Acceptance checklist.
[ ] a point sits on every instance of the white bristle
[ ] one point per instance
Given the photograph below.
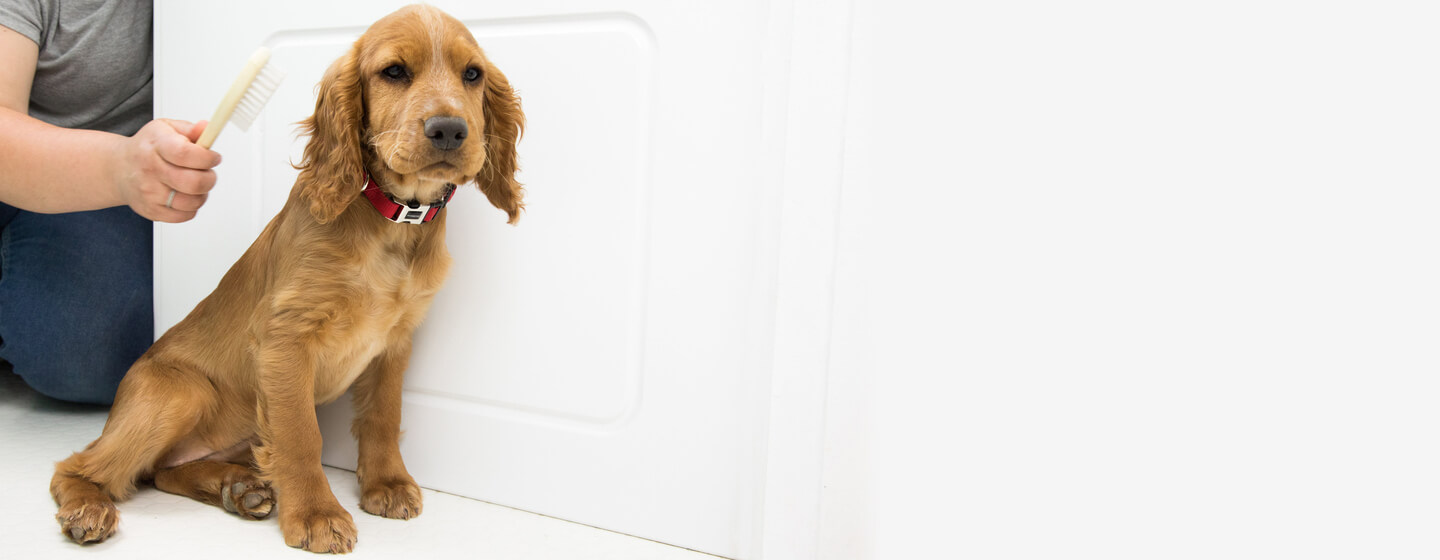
(259, 92)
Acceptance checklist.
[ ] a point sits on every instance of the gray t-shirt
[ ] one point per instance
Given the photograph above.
(94, 70)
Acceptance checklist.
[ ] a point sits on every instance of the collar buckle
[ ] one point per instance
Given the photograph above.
(416, 215)
(401, 213)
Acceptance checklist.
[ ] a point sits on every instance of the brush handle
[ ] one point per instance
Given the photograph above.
(232, 98)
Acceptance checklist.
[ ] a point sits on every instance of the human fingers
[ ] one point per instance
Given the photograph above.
(146, 179)
(170, 215)
(160, 204)
(188, 181)
(192, 131)
(179, 150)
(196, 130)
(185, 202)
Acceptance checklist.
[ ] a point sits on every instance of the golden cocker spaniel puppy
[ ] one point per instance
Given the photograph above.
(222, 407)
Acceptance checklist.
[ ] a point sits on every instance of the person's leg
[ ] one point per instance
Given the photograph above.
(75, 299)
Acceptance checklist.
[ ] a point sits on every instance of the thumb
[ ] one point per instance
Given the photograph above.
(190, 130)
(196, 130)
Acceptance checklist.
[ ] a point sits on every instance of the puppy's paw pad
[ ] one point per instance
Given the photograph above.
(251, 498)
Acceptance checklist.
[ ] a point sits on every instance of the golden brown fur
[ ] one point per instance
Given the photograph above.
(325, 299)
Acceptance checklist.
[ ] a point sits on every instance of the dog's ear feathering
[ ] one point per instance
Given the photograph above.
(504, 124)
(332, 169)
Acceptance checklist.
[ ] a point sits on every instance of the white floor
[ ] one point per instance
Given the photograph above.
(35, 432)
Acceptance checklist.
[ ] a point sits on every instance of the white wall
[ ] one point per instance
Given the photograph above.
(1102, 279)
(1145, 280)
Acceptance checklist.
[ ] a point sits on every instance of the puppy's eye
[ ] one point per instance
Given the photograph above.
(472, 74)
(395, 72)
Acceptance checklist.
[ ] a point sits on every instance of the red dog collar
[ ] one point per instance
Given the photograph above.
(400, 213)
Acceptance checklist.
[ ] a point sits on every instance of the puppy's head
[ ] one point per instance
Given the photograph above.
(417, 104)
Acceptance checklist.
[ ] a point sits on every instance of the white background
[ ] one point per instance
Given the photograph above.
(1147, 279)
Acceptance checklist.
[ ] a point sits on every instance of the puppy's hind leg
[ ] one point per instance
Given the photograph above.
(233, 487)
(154, 408)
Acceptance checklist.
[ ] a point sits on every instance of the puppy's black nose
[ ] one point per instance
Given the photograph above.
(446, 133)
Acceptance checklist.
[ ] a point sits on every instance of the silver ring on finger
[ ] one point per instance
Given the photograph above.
(170, 200)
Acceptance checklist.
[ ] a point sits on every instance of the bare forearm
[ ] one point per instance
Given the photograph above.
(158, 172)
(48, 169)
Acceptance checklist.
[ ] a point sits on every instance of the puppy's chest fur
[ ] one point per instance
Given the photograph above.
(389, 294)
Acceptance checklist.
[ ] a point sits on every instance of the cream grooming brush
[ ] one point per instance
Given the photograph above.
(247, 96)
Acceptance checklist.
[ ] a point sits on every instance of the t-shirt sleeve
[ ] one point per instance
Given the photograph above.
(26, 17)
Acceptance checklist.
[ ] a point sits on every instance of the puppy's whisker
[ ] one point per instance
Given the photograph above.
(394, 150)
(389, 153)
(376, 139)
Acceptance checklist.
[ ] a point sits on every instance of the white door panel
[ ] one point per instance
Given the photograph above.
(598, 362)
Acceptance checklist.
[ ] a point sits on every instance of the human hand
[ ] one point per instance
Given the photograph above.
(161, 159)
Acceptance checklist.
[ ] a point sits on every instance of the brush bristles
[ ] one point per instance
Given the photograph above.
(259, 92)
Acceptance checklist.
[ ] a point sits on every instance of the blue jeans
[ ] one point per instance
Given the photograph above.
(75, 299)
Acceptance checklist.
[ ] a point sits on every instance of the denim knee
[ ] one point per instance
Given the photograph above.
(90, 378)
(75, 300)
(82, 361)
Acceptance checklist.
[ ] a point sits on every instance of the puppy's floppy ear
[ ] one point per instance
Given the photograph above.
(332, 169)
(504, 123)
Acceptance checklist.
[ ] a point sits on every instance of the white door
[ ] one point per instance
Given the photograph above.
(607, 360)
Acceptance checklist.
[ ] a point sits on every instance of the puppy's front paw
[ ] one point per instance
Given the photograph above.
(88, 521)
(326, 529)
(396, 497)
